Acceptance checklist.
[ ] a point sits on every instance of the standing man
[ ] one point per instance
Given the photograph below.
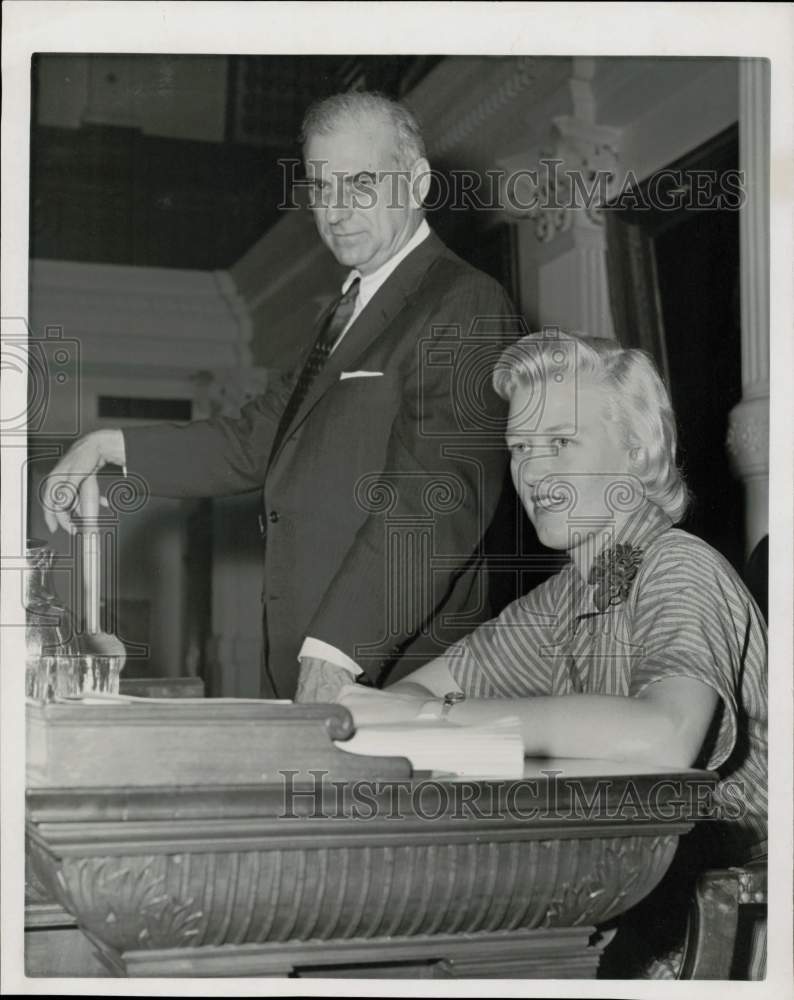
(379, 459)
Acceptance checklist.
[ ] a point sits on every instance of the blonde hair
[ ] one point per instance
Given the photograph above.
(635, 397)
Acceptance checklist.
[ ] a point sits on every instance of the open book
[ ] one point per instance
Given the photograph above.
(492, 751)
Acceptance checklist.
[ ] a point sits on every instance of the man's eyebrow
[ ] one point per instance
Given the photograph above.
(346, 178)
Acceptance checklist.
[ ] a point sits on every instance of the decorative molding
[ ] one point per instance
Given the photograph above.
(576, 172)
(518, 78)
(589, 151)
(377, 889)
(581, 900)
(130, 901)
(561, 189)
(241, 879)
(544, 954)
(36, 892)
(747, 440)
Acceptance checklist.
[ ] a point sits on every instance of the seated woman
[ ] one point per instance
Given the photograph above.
(646, 646)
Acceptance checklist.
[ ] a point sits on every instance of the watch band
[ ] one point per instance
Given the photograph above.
(451, 698)
(438, 708)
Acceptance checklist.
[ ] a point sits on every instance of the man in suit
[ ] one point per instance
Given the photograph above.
(380, 459)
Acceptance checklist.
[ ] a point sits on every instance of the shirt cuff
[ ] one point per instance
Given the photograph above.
(320, 650)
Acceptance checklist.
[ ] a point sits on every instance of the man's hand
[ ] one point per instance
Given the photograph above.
(321, 681)
(71, 487)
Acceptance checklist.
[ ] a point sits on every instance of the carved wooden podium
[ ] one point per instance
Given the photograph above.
(256, 848)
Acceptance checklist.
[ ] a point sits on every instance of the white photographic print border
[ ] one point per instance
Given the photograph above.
(651, 29)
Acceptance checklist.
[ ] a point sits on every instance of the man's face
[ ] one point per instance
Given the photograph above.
(362, 207)
(565, 464)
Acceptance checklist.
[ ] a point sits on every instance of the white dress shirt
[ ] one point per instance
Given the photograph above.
(370, 283)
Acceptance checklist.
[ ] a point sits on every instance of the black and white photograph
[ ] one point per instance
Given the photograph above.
(397, 499)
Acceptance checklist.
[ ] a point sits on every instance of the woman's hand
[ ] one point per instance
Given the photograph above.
(372, 707)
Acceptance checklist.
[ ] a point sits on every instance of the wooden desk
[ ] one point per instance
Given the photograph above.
(388, 875)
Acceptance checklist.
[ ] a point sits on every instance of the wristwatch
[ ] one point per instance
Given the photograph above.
(439, 709)
(451, 698)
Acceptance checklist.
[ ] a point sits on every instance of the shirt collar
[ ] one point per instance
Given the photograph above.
(370, 283)
(643, 527)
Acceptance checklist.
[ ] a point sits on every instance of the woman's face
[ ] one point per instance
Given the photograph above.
(568, 464)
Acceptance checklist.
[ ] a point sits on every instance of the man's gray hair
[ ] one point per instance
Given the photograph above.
(325, 115)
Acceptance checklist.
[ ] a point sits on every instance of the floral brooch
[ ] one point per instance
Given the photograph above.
(612, 573)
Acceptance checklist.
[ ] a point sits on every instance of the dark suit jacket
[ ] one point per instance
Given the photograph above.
(378, 494)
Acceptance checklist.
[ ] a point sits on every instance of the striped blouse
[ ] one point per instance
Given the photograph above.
(687, 614)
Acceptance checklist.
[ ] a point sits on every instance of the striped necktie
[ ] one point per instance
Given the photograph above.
(330, 332)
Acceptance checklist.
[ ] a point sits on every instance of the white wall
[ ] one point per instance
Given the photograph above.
(136, 332)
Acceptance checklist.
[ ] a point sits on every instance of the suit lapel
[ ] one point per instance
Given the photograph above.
(370, 324)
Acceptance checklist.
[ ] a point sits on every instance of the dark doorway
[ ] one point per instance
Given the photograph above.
(674, 284)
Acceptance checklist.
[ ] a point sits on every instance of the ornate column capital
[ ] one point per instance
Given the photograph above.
(567, 181)
(748, 437)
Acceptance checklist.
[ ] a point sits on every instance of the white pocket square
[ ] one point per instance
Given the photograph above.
(345, 375)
